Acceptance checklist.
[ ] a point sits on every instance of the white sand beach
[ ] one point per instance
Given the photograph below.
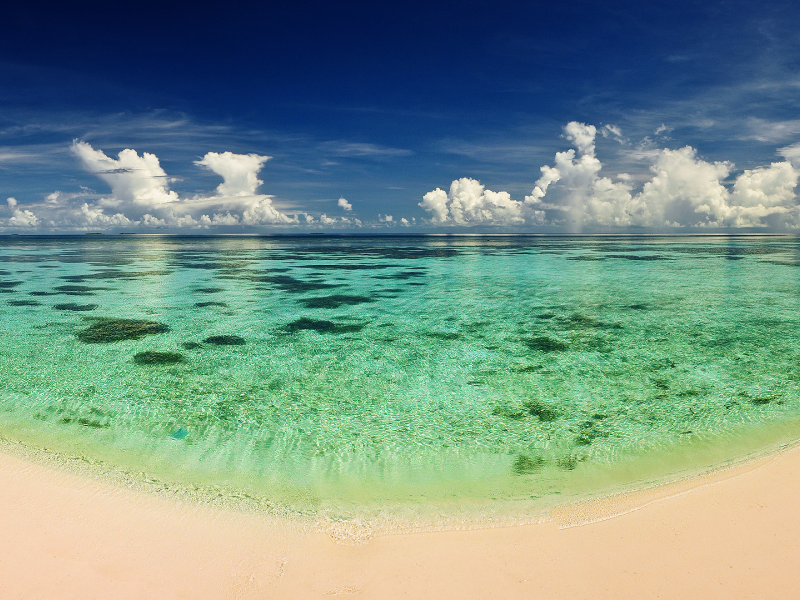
(731, 534)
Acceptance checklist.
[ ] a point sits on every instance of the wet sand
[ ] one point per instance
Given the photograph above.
(732, 534)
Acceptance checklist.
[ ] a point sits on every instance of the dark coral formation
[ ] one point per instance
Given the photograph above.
(321, 326)
(296, 286)
(638, 256)
(509, 412)
(152, 357)
(543, 410)
(578, 321)
(443, 335)
(113, 274)
(525, 465)
(75, 307)
(76, 290)
(568, 462)
(105, 330)
(402, 275)
(7, 287)
(225, 340)
(590, 430)
(545, 344)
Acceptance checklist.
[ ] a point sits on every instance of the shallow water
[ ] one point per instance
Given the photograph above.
(347, 376)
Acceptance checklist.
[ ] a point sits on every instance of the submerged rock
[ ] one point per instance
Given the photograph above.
(152, 357)
(543, 410)
(225, 340)
(321, 326)
(293, 285)
(23, 303)
(76, 290)
(545, 344)
(525, 465)
(509, 412)
(105, 330)
(75, 307)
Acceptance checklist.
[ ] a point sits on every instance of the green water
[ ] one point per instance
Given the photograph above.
(483, 374)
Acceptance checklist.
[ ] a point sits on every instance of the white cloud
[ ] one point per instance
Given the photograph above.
(361, 149)
(791, 153)
(684, 191)
(237, 170)
(572, 193)
(614, 132)
(11, 155)
(19, 217)
(141, 198)
(133, 179)
(468, 203)
(764, 196)
(772, 131)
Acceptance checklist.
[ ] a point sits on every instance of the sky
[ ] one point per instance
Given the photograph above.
(384, 117)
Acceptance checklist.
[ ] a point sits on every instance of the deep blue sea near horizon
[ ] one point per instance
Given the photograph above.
(353, 375)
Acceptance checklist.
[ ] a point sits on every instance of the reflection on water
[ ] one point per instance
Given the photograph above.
(343, 373)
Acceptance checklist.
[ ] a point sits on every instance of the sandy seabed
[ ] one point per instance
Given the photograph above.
(730, 534)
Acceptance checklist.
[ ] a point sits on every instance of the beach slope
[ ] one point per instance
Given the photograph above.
(733, 534)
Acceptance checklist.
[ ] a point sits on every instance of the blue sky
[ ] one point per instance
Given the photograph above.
(677, 115)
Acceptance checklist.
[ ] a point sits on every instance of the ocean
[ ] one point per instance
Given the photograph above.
(430, 379)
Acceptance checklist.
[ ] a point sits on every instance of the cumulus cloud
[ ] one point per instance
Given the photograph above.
(133, 179)
(19, 217)
(573, 193)
(468, 202)
(140, 196)
(238, 171)
(684, 191)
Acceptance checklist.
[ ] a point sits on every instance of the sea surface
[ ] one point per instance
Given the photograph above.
(436, 377)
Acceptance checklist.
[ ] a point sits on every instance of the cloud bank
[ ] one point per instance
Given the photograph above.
(572, 194)
(684, 191)
(141, 199)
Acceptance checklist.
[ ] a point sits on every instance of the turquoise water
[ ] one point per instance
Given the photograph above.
(346, 375)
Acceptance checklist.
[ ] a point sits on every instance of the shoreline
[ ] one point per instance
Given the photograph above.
(734, 532)
(353, 524)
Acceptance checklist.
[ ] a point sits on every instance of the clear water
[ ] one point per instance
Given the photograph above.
(477, 374)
